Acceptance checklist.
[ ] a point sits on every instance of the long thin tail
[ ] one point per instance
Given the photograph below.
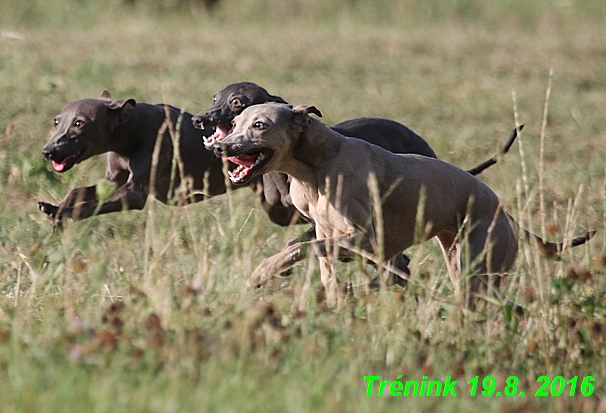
(486, 164)
(551, 248)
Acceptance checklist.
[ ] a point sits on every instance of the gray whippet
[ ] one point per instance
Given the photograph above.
(393, 136)
(330, 186)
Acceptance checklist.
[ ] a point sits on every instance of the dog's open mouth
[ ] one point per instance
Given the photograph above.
(248, 165)
(221, 131)
(66, 164)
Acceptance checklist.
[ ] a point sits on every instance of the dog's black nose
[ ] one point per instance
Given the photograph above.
(219, 149)
(47, 153)
(197, 122)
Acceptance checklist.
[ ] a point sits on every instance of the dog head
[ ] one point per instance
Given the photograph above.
(227, 104)
(84, 128)
(262, 137)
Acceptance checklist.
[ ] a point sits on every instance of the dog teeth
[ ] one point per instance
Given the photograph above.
(209, 141)
(243, 171)
(238, 174)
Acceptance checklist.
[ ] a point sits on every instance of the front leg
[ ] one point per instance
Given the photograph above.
(78, 195)
(329, 280)
(276, 264)
(289, 256)
(308, 235)
(82, 203)
(51, 213)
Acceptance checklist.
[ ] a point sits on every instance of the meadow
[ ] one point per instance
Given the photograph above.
(148, 311)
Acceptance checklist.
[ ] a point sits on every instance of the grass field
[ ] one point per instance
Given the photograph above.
(147, 311)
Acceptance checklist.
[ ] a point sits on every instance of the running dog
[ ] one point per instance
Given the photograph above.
(393, 136)
(332, 175)
(137, 138)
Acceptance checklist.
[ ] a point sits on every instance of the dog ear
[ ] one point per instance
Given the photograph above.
(305, 109)
(120, 109)
(300, 116)
(262, 95)
(106, 96)
(276, 99)
(120, 104)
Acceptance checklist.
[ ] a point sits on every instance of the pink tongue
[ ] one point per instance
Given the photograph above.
(58, 166)
(243, 159)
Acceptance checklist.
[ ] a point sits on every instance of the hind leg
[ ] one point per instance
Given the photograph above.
(466, 256)
(399, 262)
(451, 250)
(329, 280)
(492, 251)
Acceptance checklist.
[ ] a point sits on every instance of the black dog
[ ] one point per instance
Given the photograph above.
(128, 132)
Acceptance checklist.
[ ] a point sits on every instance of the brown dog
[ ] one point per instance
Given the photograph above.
(331, 186)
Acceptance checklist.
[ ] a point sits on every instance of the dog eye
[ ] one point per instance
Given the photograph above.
(55, 122)
(236, 102)
(259, 125)
(78, 124)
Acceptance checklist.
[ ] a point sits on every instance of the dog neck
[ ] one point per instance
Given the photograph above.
(314, 149)
(126, 136)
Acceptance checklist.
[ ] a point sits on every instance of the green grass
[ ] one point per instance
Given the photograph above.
(189, 336)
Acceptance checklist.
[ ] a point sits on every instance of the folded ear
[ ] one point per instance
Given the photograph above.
(120, 104)
(307, 110)
(106, 96)
(300, 116)
(276, 99)
(120, 109)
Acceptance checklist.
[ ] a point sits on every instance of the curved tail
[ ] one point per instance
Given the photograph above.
(552, 248)
(486, 164)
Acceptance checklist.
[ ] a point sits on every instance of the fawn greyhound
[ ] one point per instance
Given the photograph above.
(130, 133)
(330, 186)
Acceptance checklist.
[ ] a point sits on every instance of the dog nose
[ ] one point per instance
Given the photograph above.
(219, 149)
(197, 121)
(47, 153)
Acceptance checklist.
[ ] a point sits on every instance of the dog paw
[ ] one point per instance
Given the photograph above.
(281, 263)
(258, 278)
(264, 272)
(51, 212)
(49, 209)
